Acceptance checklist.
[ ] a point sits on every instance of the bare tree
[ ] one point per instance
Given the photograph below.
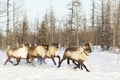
(117, 29)
(25, 30)
(102, 27)
(2, 16)
(52, 25)
(93, 22)
(2, 10)
(85, 31)
(74, 24)
(17, 15)
(108, 30)
(42, 33)
(8, 23)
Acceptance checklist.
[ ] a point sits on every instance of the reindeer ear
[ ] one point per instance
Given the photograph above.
(35, 45)
(22, 45)
(59, 45)
(8, 47)
(86, 44)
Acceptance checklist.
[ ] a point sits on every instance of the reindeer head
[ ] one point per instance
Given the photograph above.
(87, 48)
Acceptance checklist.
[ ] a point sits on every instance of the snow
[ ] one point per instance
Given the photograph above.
(104, 65)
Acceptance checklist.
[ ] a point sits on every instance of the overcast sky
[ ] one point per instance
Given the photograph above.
(37, 8)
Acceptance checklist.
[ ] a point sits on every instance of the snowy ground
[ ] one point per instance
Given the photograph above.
(102, 64)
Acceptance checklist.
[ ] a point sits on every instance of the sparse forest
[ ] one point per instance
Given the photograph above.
(102, 27)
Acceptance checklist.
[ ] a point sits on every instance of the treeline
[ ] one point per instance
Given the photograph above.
(100, 28)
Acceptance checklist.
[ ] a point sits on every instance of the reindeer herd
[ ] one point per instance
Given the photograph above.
(28, 52)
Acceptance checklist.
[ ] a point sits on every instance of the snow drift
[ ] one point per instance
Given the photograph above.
(104, 65)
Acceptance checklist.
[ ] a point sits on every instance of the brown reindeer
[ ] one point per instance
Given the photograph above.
(52, 52)
(35, 52)
(77, 55)
(46, 46)
(18, 54)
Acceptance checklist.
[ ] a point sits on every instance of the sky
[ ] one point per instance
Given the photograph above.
(38, 8)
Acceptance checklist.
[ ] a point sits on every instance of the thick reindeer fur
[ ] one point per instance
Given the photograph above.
(52, 53)
(18, 53)
(36, 52)
(77, 55)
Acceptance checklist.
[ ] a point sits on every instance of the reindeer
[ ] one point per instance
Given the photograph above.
(52, 52)
(36, 52)
(77, 54)
(18, 54)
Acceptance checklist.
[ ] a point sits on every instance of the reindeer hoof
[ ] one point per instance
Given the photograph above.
(88, 70)
(76, 67)
(15, 64)
(58, 67)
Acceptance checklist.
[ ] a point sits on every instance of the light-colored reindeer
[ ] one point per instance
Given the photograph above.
(18, 54)
(36, 52)
(52, 52)
(77, 54)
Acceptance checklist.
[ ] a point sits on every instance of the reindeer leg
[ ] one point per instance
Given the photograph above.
(38, 59)
(81, 66)
(68, 61)
(11, 61)
(77, 65)
(18, 60)
(53, 60)
(42, 60)
(61, 62)
(58, 58)
(85, 67)
(27, 59)
(7, 61)
(32, 61)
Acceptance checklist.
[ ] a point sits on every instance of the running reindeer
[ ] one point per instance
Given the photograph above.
(18, 54)
(77, 54)
(52, 52)
(35, 52)
(43, 52)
